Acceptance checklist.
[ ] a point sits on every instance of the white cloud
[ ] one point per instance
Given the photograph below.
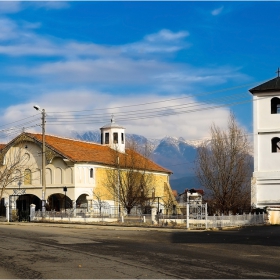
(83, 66)
(51, 5)
(191, 126)
(165, 41)
(8, 29)
(166, 35)
(217, 11)
(9, 7)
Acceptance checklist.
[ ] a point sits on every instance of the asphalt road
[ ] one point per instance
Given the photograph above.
(91, 252)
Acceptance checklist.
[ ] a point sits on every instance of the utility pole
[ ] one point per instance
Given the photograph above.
(119, 210)
(43, 112)
(43, 161)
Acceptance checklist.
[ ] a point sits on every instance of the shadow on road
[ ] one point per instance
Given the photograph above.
(257, 235)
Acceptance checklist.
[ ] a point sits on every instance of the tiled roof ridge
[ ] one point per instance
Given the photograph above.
(76, 156)
(67, 138)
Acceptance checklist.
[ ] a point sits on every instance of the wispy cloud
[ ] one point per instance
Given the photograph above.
(165, 41)
(194, 126)
(166, 35)
(51, 5)
(10, 7)
(217, 11)
(87, 68)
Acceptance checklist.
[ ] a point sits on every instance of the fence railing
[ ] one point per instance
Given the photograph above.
(191, 222)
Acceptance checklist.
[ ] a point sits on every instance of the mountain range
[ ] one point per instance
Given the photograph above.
(175, 154)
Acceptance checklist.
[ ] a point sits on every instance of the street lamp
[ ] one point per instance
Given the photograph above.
(65, 190)
(36, 107)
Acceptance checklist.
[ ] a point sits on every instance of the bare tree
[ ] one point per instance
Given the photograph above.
(169, 201)
(15, 166)
(129, 180)
(99, 202)
(223, 167)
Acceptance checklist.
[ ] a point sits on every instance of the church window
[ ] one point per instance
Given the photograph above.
(101, 138)
(122, 138)
(275, 105)
(91, 173)
(115, 137)
(27, 177)
(48, 176)
(58, 176)
(275, 145)
(107, 138)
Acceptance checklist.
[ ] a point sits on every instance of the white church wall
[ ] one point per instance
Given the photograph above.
(83, 175)
(268, 193)
(266, 120)
(267, 161)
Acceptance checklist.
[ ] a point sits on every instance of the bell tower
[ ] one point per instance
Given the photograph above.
(113, 135)
(265, 186)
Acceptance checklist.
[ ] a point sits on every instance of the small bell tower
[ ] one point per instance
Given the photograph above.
(113, 135)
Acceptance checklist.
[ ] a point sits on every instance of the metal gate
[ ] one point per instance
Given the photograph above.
(19, 206)
(196, 215)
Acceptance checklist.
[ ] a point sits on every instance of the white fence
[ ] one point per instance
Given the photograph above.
(196, 217)
(228, 221)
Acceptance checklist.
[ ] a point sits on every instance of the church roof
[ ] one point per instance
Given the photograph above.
(269, 86)
(81, 151)
(2, 146)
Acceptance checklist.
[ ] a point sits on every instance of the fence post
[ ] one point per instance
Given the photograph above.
(32, 212)
(7, 210)
(144, 219)
(74, 207)
(187, 215)
(206, 215)
(154, 211)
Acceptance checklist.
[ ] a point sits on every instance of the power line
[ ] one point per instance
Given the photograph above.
(89, 121)
(161, 101)
(18, 120)
(144, 111)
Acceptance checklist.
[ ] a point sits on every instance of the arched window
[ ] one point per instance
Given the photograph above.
(58, 175)
(275, 145)
(275, 105)
(115, 136)
(69, 175)
(27, 177)
(48, 176)
(36, 177)
(91, 173)
(107, 138)
(16, 177)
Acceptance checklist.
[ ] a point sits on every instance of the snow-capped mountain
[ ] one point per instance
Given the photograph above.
(175, 154)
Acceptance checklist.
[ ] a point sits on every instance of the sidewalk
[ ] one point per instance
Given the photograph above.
(96, 226)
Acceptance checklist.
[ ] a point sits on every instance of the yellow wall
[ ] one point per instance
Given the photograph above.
(160, 183)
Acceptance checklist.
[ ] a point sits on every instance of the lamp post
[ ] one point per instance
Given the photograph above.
(36, 107)
(65, 190)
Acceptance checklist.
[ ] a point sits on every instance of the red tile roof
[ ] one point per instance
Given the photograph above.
(2, 146)
(80, 151)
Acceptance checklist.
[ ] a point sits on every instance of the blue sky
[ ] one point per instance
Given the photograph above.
(162, 68)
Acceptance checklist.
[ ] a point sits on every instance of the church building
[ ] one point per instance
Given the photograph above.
(75, 171)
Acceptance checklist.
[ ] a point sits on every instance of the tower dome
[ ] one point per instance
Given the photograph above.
(113, 135)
